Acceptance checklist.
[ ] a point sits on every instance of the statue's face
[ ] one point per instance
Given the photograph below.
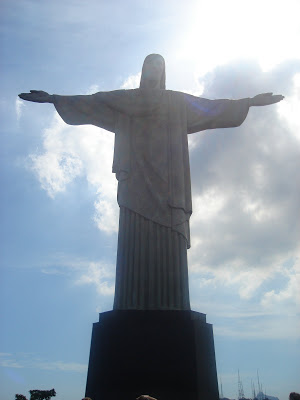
(154, 67)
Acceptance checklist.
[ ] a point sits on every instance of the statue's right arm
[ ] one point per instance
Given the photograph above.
(79, 109)
(37, 96)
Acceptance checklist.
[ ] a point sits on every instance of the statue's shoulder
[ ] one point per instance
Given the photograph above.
(125, 92)
(115, 96)
(179, 95)
(116, 92)
(174, 92)
(176, 97)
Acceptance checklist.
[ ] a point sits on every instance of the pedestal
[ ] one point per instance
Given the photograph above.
(166, 354)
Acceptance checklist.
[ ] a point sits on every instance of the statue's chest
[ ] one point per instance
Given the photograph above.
(150, 139)
(151, 130)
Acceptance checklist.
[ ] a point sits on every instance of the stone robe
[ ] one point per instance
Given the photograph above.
(151, 162)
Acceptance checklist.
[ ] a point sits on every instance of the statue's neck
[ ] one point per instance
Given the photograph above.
(152, 84)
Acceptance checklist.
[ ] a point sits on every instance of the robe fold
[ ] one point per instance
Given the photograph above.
(151, 163)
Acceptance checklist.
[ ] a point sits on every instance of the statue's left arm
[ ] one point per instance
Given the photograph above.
(205, 114)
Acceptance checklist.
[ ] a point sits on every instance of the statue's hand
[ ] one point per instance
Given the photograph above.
(38, 96)
(264, 99)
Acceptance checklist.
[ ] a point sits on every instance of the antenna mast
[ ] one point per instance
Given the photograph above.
(241, 394)
(260, 390)
(221, 391)
(253, 390)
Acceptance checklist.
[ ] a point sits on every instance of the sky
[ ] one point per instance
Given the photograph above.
(59, 214)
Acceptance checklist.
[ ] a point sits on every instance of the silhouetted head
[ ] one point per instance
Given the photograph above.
(153, 72)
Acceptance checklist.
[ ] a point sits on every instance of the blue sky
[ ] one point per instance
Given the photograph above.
(58, 200)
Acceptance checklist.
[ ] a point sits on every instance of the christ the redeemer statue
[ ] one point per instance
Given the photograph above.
(151, 163)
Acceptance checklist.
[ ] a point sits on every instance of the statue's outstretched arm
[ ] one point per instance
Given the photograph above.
(37, 96)
(265, 99)
(77, 110)
(205, 114)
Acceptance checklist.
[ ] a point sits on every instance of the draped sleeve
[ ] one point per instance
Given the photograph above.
(89, 109)
(211, 114)
(107, 110)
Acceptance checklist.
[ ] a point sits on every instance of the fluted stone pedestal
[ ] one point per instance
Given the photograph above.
(166, 354)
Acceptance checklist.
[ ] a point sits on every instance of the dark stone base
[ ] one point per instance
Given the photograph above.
(166, 354)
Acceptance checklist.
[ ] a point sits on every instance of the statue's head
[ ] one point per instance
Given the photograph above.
(153, 72)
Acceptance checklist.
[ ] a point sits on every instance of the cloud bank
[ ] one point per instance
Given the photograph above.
(245, 226)
(69, 152)
(22, 360)
(245, 186)
(99, 274)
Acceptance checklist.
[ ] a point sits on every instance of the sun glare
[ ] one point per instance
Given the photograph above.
(265, 30)
(289, 110)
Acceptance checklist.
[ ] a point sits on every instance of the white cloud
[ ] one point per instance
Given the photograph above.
(93, 89)
(285, 299)
(244, 180)
(85, 151)
(251, 283)
(58, 164)
(83, 272)
(60, 366)
(132, 82)
(241, 281)
(289, 109)
(30, 361)
(208, 205)
(98, 274)
(254, 303)
(259, 328)
(106, 214)
(7, 361)
(19, 105)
